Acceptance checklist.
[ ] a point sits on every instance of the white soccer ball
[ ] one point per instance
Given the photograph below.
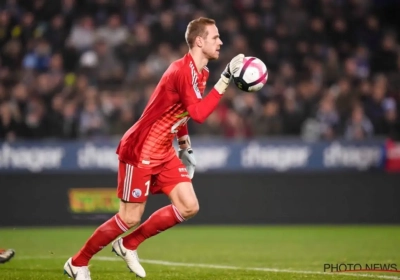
(252, 76)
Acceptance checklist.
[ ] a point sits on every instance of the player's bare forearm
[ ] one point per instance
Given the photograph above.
(184, 142)
(183, 137)
(200, 111)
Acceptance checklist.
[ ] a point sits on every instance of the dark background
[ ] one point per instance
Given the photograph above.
(318, 198)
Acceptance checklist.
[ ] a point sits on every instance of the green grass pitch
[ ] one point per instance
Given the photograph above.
(211, 252)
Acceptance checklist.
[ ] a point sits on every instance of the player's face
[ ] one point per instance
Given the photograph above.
(212, 43)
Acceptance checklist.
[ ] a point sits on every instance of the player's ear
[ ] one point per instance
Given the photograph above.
(199, 41)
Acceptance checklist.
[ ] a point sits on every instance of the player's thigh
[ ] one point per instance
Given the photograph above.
(133, 183)
(133, 189)
(184, 198)
(172, 173)
(174, 181)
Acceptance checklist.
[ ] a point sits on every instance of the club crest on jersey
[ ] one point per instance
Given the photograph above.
(136, 193)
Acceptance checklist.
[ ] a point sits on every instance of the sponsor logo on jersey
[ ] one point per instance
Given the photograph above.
(182, 169)
(184, 114)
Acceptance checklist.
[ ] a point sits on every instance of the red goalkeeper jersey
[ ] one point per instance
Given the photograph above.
(177, 97)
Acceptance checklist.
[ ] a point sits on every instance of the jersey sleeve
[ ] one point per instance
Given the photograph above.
(188, 90)
(198, 108)
(183, 131)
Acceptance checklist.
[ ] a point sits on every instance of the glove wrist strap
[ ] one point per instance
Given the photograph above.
(184, 143)
(222, 85)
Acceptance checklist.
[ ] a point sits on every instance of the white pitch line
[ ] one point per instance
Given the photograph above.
(216, 266)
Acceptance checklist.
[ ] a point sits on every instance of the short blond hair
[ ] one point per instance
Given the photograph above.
(196, 28)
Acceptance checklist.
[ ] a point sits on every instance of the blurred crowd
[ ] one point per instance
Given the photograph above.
(85, 69)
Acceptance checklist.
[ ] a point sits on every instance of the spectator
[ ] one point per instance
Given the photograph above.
(270, 122)
(385, 58)
(328, 119)
(56, 33)
(39, 58)
(91, 120)
(358, 127)
(82, 34)
(113, 33)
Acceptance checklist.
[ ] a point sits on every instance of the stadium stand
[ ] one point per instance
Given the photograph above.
(85, 69)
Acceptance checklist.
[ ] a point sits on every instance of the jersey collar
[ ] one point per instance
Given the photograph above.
(189, 56)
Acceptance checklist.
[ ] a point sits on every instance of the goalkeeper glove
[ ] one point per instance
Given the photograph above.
(232, 68)
(187, 158)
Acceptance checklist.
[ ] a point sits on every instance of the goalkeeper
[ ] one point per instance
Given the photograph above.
(147, 159)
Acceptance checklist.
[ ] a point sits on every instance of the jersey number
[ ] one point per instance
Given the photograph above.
(178, 124)
(147, 188)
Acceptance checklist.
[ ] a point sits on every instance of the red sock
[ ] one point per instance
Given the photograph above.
(159, 221)
(103, 236)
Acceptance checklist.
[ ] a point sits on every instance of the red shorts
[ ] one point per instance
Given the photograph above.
(135, 183)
